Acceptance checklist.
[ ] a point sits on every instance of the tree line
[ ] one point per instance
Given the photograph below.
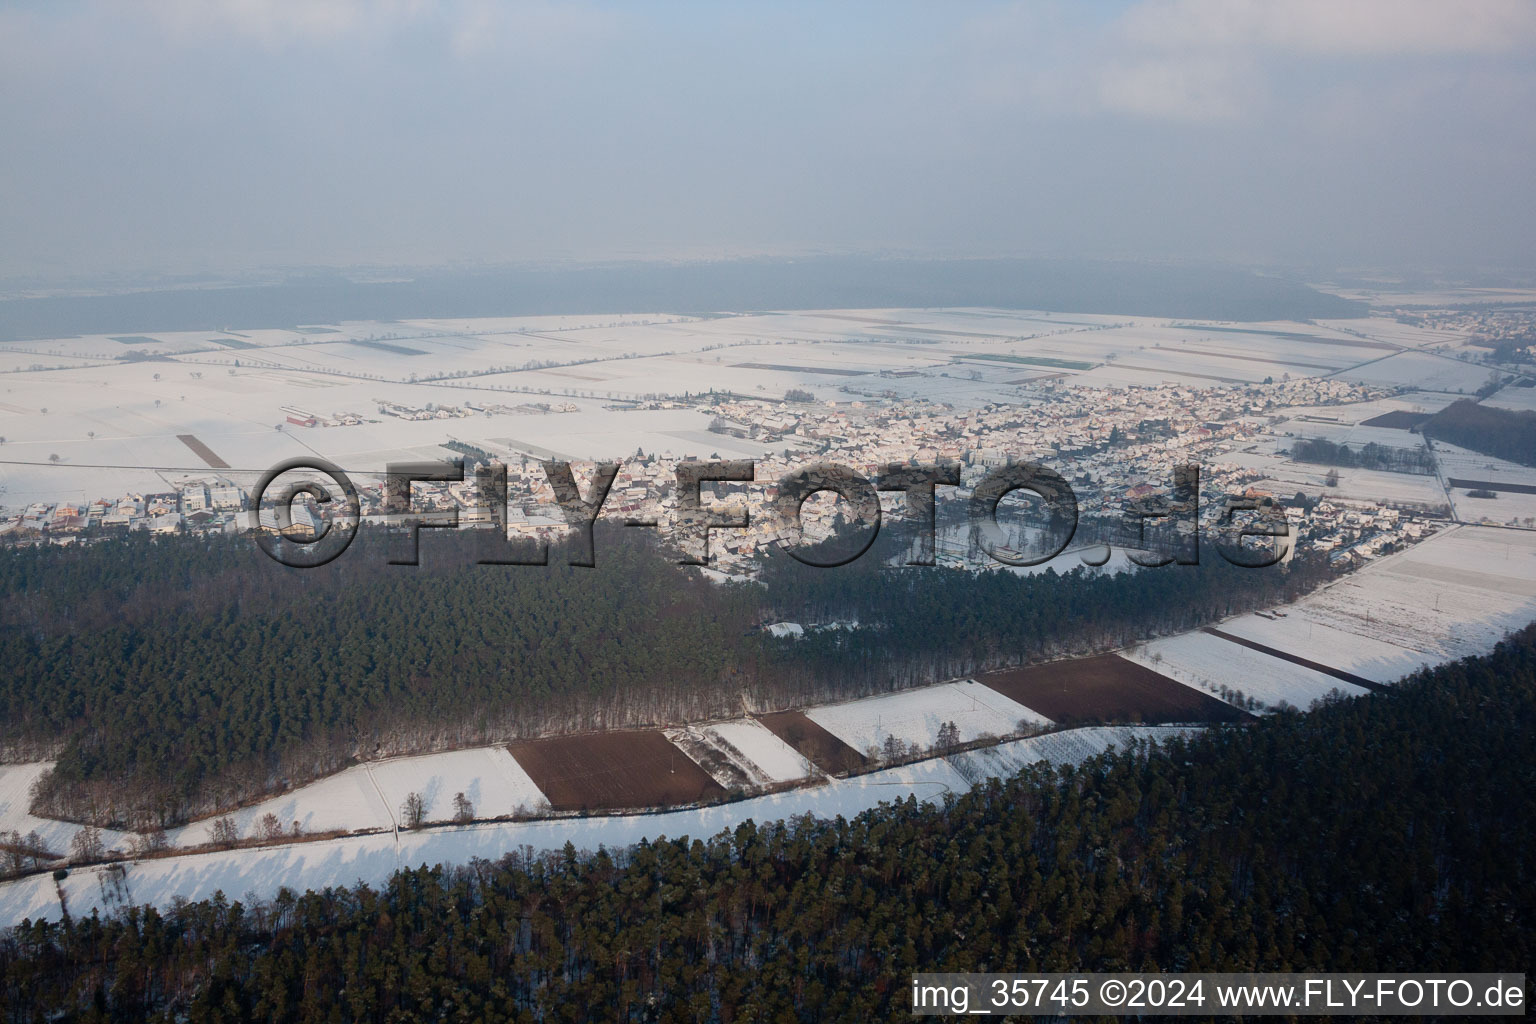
(176, 677)
(1369, 456)
(1502, 433)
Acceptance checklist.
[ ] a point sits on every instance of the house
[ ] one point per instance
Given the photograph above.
(226, 497)
(167, 522)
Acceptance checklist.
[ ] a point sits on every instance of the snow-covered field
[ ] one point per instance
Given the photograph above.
(1454, 595)
(1356, 435)
(1116, 375)
(1070, 746)
(1505, 508)
(1469, 465)
(1518, 399)
(1198, 363)
(34, 897)
(1423, 370)
(114, 423)
(1369, 486)
(750, 750)
(370, 795)
(1422, 402)
(914, 716)
(1209, 662)
(1307, 637)
(348, 860)
(1285, 477)
(488, 776)
(16, 795)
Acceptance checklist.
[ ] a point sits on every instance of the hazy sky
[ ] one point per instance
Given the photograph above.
(177, 135)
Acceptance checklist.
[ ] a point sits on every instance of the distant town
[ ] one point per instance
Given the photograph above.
(1320, 420)
(1116, 445)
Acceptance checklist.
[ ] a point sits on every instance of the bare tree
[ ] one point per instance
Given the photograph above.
(271, 827)
(413, 812)
(86, 846)
(37, 852)
(225, 832)
(463, 810)
(151, 843)
(14, 853)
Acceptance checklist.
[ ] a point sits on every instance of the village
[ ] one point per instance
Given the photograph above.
(1116, 446)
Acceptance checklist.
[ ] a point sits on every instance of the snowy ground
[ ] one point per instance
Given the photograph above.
(1423, 370)
(347, 860)
(914, 716)
(35, 897)
(1070, 746)
(370, 795)
(1518, 399)
(747, 751)
(15, 797)
(346, 800)
(1209, 662)
(488, 776)
(1304, 635)
(1454, 595)
(1284, 477)
(373, 858)
(114, 423)
(1506, 508)
(1467, 464)
(1422, 402)
(1356, 435)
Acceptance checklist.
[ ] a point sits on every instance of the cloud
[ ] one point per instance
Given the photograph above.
(168, 133)
(1334, 27)
(467, 27)
(1202, 89)
(479, 27)
(1215, 60)
(274, 22)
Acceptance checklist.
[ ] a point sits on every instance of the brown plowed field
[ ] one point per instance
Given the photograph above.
(613, 770)
(815, 744)
(1107, 688)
